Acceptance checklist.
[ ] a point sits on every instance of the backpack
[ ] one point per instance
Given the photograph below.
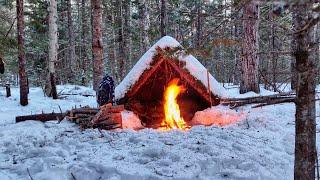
(105, 92)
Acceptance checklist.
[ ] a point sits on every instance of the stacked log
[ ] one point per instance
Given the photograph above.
(106, 117)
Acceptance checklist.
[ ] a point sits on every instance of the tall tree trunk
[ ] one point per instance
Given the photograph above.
(120, 40)
(249, 57)
(51, 89)
(303, 49)
(144, 22)
(236, 49)
(71, 48)
(198, 25)
(84, 52)
(163, 18)
(274, 46)
(127, 32)
(294, 76)
(21, 55)
(112, 46)
(97, 48)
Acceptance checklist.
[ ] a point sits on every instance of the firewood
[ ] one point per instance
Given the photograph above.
(41, 117)
(112, 109)
(83, 115)
(106, 117)
(84, 111)
(112, 126)
(108, 111)
(115, 117)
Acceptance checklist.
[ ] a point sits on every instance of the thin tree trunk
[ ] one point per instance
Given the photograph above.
(127, 32)
(120, 40)
(97, 48)
(53, 49)
(84, 52)
(163, 18)
(21, 54)
(112, 46)
(274, 58)
(71, 49)
(303, 48)
(249, 57)
(294, 76)
(144, 22)
(199, 25)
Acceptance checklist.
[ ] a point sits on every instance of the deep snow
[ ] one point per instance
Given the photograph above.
(261, 146)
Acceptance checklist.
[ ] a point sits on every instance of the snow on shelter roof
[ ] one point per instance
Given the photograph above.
(193, 66)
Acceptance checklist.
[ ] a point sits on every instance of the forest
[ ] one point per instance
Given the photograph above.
(157, 88)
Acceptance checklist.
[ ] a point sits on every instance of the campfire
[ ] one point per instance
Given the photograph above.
(173, 119)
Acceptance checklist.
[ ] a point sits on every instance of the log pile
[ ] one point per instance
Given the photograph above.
(106, 117)
(109, 117)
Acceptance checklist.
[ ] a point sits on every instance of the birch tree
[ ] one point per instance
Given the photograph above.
(305, 67)
(51, 89)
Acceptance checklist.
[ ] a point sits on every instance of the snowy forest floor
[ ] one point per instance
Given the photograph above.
(259, 147)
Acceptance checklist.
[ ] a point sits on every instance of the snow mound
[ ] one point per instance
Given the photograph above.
(194, 67)
(217, 115)
(130, 120)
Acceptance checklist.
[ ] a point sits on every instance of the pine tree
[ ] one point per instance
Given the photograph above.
(249, 52)
(22, 57)
(97, 48)
(163, 18)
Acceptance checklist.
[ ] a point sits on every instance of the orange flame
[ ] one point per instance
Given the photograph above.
(173, 119)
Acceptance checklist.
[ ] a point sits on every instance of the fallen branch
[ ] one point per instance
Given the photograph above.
(29, 174)
(276, 101)
(74, 94)
(41, 117)
(266, 100)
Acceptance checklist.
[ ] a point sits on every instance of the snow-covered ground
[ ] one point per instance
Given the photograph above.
(260, 146)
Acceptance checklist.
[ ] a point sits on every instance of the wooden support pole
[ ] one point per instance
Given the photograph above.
(209, 89)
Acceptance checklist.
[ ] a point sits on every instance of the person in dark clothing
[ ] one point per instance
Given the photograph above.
(105, 92)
